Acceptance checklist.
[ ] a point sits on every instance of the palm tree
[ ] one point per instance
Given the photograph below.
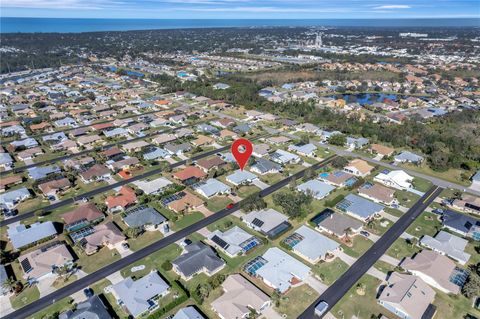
(9, 284)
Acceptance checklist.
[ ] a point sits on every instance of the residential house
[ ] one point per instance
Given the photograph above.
(140, 296)
(177, 149)
(22, 236)
(211, 187)
(147, 218)
(336, 224)
(468, 203)
(11, 199)
(82, 216)
(156, 153)
(189, 312)
(135, 146)
(197, 258)
(377, 193)
(278, 269)
(381, 150)
(234, 242)
(53, 187)
(283, 157)
(97, 172)
(163, 138)
(359, 207)
(358, 167)
(406, 296)
(29, 153)
(356, 143)
(304, 149)
(316, 188)
(9, 181)
(189, 175)
(269, 222)
(260, 150)
(240, 177)
(396, 179)
(125, 198)
(436, 270)
(408, 157)
(278, 140)
(183, 201)
(448, 245)
(239, 297)
(338, 178)
(207, 164)
(106, 234)
(43, 262)
(6, 161)
(311, 245)
(24, 144)
(461, 224)
(92, 308)
(40, 172)
(202, 140)
(152, 187)
(263, 166)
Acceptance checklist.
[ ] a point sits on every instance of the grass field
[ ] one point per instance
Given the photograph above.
(330, 271)
(296, 300)
(401, 249)
(102, 258)
(426, 224)
(28, 295)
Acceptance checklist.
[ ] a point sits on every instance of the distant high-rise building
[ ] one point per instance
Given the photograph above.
(318, 40)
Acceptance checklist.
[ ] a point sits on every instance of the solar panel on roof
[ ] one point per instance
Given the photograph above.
(220, 242)
(257, 222)
(26, 265)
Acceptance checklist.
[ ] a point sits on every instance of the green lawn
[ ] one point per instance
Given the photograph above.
(296, 300)
(245, 191)
(362, 306)
(188, 220)
(384, 267)
(407, 199)
(425, 224)
(360, 246)
(451, 175)
(421, 184)
(102, 258)
(217, 203)
(453, 306)
(377, 226)
(271, 179)
(401, 249)
(394, 212)
(330, 271)
(28, 295)
(57, 308)
(62, 282)
(144, 240)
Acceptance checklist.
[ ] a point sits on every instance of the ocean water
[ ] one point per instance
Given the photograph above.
(27, 25)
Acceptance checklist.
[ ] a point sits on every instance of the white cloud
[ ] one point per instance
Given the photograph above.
(392, 7)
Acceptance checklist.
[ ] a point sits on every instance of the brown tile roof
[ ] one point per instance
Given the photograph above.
(95, 171)
(187, 201)
(56, 184)
(208, 163)
(125, 197)
(88, 211)
(381, 149)
(5, 181)
(189, 172)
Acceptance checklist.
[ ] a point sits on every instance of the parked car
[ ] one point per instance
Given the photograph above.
(364, 233)
(230, 206)
(88, 292)
(321, 308)
(125, 246)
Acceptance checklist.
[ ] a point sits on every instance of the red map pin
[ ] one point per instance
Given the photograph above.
(241, 150)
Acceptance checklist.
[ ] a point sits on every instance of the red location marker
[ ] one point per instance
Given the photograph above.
(241, 150)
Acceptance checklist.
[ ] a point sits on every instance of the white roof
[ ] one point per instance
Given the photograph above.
(211, 187)
(233, 237)
(152, 186)
(449, 244)
(281, 268)
(319, 189)
(314, 245)
(270, 218)
(135, 294)
(239, 177)
(21, 236)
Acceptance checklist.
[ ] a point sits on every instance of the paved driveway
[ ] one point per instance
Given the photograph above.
(389, 216)
(6, 306)
(271, 313)
(122, 250)
(260, 184)
(45, 285)
(316, 284)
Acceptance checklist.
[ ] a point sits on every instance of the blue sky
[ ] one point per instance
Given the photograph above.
(241, 9)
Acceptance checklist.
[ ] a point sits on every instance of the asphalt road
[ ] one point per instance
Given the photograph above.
(340, 287)
(90, 279)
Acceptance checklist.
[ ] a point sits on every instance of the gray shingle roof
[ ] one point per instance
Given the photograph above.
(143, 215)
(197, 257)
